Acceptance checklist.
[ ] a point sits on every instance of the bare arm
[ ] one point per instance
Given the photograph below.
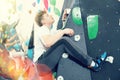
(49, 40)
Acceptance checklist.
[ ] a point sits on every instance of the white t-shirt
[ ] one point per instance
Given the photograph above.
(39, 48)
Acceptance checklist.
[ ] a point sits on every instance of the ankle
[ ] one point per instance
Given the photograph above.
(95, 68)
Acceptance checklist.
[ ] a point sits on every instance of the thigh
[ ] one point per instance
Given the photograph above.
(52, 56)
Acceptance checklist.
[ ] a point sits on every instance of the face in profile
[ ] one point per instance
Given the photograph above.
(48, 19)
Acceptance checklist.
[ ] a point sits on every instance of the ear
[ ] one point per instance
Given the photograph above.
(43, 21)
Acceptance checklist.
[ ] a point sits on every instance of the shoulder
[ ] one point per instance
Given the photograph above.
(41, 30)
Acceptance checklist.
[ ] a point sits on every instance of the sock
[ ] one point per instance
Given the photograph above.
(94, 64)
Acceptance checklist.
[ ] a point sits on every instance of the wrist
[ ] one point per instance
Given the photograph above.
(63, 31)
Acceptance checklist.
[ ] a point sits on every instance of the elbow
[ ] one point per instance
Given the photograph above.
(48, 45)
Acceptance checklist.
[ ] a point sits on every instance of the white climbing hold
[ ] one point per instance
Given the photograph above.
(68, 10)
(65, 55)
(77, 37)
(60, 78)
(110, 59)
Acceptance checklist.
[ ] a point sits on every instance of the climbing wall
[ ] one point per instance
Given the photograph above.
(68, 67)
(105, 34)
(101, 23)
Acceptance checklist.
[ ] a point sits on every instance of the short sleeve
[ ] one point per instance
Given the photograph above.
(41, 31)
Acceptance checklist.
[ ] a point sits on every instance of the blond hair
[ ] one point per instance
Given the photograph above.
(39, 17)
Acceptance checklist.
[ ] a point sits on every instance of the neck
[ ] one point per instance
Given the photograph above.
(48, 25)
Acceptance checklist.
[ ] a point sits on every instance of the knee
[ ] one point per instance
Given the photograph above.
(66, 38)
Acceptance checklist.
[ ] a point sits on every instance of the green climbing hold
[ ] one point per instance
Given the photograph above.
(92, 25)
(53, 2)
(56, 10)
(76, 16)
